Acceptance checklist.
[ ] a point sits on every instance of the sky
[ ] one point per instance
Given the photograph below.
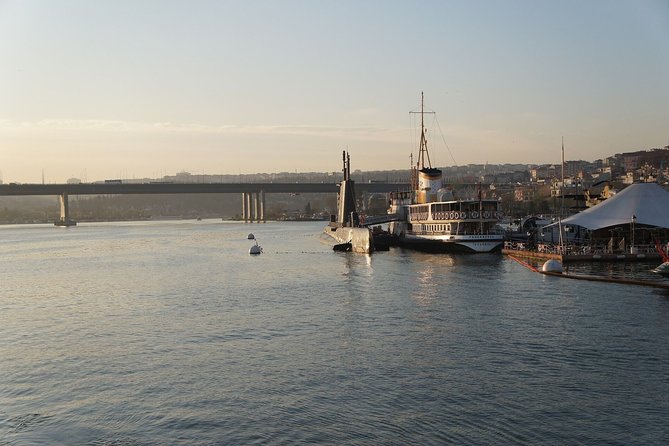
(134, 89)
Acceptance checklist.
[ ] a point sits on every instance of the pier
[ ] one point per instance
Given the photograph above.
(638, 253)
(590, 278)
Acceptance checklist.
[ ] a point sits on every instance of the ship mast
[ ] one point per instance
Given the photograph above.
(423, 153)
(561, 239)
(414, 173)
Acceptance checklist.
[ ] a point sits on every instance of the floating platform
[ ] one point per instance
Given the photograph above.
(587, 257)
(564, 275)
(65, 223)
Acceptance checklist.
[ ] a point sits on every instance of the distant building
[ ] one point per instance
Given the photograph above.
(657, 158)
(542, 173)
(524, 194)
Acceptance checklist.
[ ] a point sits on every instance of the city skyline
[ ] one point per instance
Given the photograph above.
(122, 89)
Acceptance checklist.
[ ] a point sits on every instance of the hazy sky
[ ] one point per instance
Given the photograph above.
(130, 89)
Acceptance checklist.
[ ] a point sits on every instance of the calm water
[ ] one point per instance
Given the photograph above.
(170, 333)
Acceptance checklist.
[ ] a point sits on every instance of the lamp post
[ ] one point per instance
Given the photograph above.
(632, 248)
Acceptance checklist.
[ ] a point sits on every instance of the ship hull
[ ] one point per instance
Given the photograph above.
(454, 244)
(359, 239)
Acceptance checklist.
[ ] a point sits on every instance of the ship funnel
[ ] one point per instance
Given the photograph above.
(429, 184)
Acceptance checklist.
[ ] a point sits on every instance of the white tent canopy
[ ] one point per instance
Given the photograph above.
(648, 202)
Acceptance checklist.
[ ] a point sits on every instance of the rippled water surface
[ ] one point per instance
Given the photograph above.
(171, 333)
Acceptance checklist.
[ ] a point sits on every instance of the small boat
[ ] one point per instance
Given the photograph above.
(343, 247)
(662, 269)
(519, 229)
(430, 218)
(255, 249)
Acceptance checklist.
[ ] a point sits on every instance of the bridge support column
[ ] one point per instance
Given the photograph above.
(256, 207)
(244, 215)
(262, 206)
(64, 212)
(249, 211)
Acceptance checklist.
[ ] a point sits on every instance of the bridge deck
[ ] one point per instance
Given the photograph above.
(189, 188)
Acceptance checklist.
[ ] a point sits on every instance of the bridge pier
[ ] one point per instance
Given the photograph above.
(246, 207)
(262, 206)
(256, 207)
(253, 207)
(249, 209)
(64, 212)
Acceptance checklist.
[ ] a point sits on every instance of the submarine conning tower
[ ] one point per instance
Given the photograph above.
(347, 216)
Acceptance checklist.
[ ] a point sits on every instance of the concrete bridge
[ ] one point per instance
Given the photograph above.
(253, 194)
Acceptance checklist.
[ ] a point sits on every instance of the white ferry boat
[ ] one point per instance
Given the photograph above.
(430, 218)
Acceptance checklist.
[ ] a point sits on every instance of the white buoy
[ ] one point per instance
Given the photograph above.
(251, 236)
(255, 249)
(552, 266)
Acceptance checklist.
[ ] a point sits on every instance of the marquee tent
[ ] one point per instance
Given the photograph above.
(648, 202)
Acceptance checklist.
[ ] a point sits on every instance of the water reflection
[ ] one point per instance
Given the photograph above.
(429, 278)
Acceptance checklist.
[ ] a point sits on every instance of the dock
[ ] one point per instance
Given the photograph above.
(590, 278)
(585, 257)
(645, 253)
